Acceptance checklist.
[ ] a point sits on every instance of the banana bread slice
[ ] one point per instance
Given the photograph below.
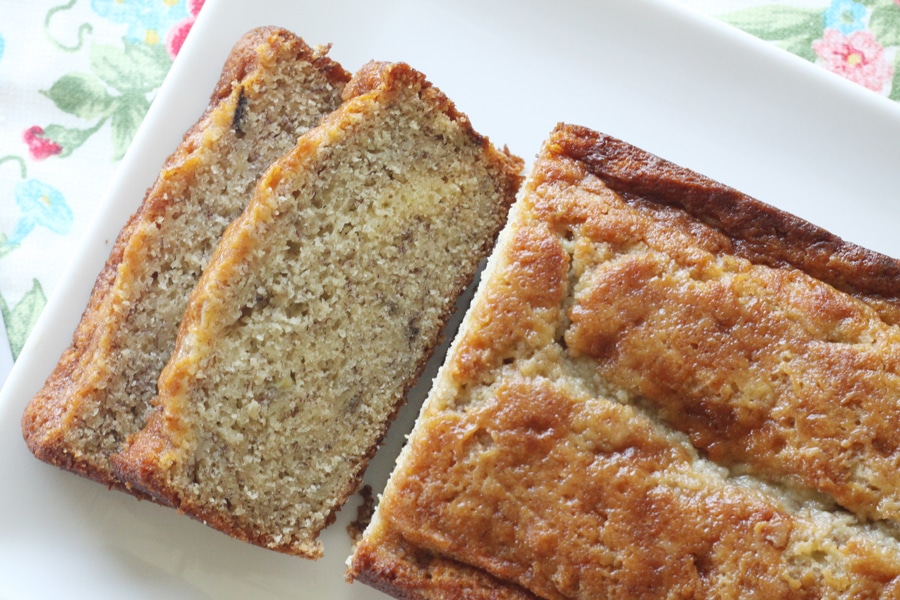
(663, 389)
(319, 310)
(272, 89)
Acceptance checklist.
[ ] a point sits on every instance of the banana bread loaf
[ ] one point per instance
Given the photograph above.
(318, 311)
(663, 389)
(272, 89)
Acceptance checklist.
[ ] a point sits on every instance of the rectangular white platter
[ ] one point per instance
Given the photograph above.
(651, 72)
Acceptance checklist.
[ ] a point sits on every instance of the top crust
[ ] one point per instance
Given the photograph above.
(656, 393)
(758, 232)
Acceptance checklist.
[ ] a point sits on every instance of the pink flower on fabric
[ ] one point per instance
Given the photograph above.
(178, 33)
(857, 57)
(39, 146)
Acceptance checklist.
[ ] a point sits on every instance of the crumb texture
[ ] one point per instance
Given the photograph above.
(636, 408)
(273, 88)
(319, 310)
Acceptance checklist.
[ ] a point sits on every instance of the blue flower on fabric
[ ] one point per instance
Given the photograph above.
(39, 204)
(2, 45)
(148, 20)
(846, 16)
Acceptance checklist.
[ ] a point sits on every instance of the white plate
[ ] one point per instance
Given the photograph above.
(651, 72)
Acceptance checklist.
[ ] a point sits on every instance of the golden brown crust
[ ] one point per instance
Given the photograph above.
(404, 571)
(613, 419)
(45, 415)
(76, 385)
(748, 348)
(756, 231)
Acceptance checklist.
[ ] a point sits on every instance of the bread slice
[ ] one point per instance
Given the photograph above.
(663, 389)
(272, 89)
(319, 310)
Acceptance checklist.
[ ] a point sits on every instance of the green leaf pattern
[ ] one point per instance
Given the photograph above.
(21, 318)
(856, 39)
(80, 94)
(885, 23)
(108, 96)
(126, 117)
(116, 91)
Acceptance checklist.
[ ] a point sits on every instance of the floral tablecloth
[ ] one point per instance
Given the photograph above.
(77, 77)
